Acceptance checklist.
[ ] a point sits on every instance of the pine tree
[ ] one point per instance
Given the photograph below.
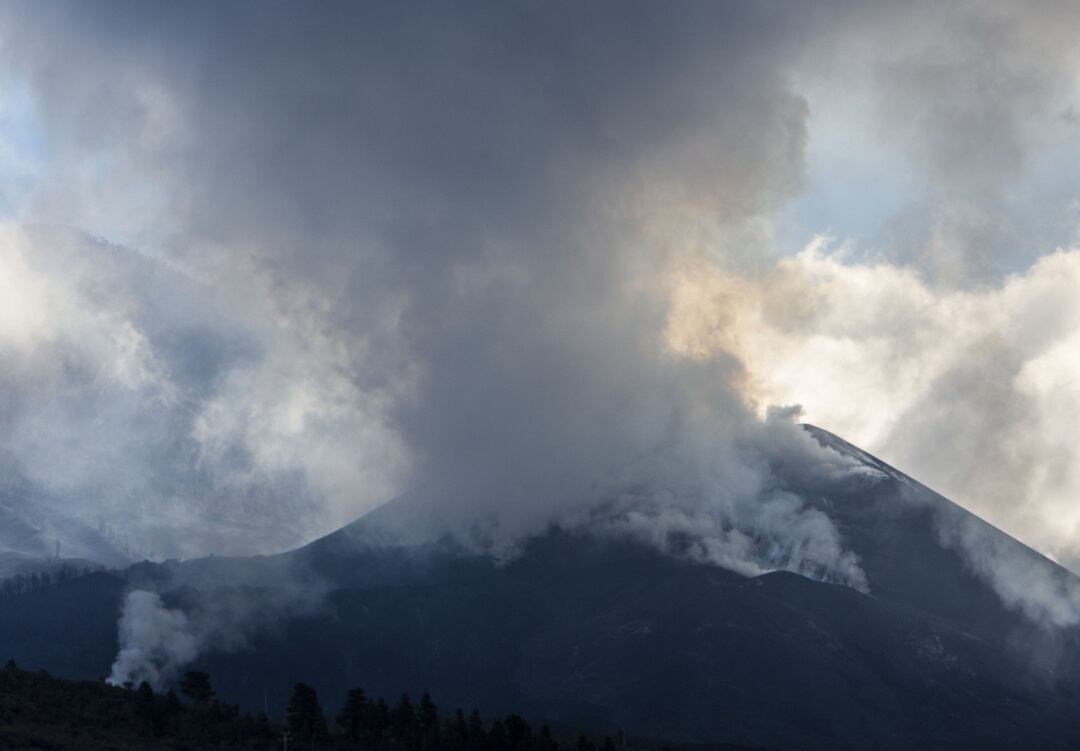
(172, 702)
(146, 708)
(428, 716)
(458, 732)
(403, 720)
(304, 713)
(497, 739)
(351, 719)
(545, 742)
(518, 732)
(195, 685)
(477, 734)
(378, 723)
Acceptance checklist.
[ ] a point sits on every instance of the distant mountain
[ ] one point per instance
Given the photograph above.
(36, 537)
(611, 635)
(100, 409)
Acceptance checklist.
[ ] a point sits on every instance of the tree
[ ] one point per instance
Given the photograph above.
(145, 701)
(519, 732)
(544, 741)
(428, 715)
(457, 732)
(477, 734)
(304, 713)
(377, 723)
(403, 719)
(172, 702)
(195, 685)
(146, 706)
(352, 715)
(497, 739)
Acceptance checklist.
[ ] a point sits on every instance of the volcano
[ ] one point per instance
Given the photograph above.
(963, 638)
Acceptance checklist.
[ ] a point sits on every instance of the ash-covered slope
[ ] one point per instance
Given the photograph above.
(33, 531)
(941, 653)
(922, 550)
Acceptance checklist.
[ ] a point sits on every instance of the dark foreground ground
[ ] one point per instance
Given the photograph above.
(38, 711)
(604, 635)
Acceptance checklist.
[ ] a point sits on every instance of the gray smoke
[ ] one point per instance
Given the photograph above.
(1025, 581)
(155, 641)
(443, 242)
(440, 245)
(161, 633)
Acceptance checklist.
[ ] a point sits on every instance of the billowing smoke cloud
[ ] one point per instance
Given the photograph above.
(138, 396)
(509, 256)
(946, 134)
(443, 239)
(967, 390)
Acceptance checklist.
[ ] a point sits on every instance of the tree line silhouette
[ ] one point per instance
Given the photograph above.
(40, 711)
(21, 584)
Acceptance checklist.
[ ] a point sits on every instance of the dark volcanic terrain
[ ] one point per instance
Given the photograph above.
(612, 635)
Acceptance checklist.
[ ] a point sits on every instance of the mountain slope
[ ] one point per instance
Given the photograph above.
(32, 530)
(610, 634)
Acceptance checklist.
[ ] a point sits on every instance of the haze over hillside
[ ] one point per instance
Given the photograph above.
(512, 252)
(938, 645)
(471, 344)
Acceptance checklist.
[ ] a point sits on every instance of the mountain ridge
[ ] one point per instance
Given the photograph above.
(607, 633)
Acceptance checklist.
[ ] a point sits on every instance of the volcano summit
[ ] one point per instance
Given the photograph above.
(960, 638)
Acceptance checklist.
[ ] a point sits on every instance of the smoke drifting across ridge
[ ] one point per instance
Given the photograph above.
(456, 225)
(186, 419)
(985, 371)
(452, 249)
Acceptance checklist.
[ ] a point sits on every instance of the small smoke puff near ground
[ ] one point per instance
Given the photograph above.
(159, 632)
(155, 641)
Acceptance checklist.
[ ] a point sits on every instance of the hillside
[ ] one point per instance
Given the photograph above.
(613, 636)
(40, 711)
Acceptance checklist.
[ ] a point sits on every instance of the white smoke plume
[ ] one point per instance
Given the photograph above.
(967, 390)
(771, 533)
(1025, 581)
(158, 639)
(476, 255)
(415, 300)
(155, 641)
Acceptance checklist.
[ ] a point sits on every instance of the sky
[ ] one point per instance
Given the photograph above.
(265, 266)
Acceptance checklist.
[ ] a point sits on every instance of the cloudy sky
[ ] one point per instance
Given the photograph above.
(264, 266)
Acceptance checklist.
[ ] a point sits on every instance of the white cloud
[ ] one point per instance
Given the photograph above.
(974, 391)
(135, 396)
